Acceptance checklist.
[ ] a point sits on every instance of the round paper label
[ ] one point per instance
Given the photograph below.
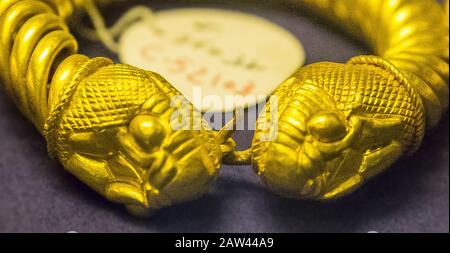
(218, 59)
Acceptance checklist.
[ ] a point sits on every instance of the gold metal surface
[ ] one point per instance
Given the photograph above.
(111, 125)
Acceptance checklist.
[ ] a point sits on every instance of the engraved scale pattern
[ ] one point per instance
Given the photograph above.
(110, 98)
(373, 89)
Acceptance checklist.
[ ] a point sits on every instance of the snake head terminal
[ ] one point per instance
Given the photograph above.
(115, 132)
(334, 133)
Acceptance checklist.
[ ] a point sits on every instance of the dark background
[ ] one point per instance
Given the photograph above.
(37, 195)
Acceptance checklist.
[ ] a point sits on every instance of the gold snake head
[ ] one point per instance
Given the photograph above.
(115, 131)
(322, 150)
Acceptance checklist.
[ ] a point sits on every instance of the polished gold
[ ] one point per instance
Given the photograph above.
(111, 125)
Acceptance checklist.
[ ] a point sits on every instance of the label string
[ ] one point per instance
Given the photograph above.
(108, 35)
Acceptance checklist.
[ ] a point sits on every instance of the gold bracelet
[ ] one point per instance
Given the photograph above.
(338, 124)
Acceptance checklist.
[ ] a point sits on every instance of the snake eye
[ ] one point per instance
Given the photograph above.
(327, 127)
(147, 131)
